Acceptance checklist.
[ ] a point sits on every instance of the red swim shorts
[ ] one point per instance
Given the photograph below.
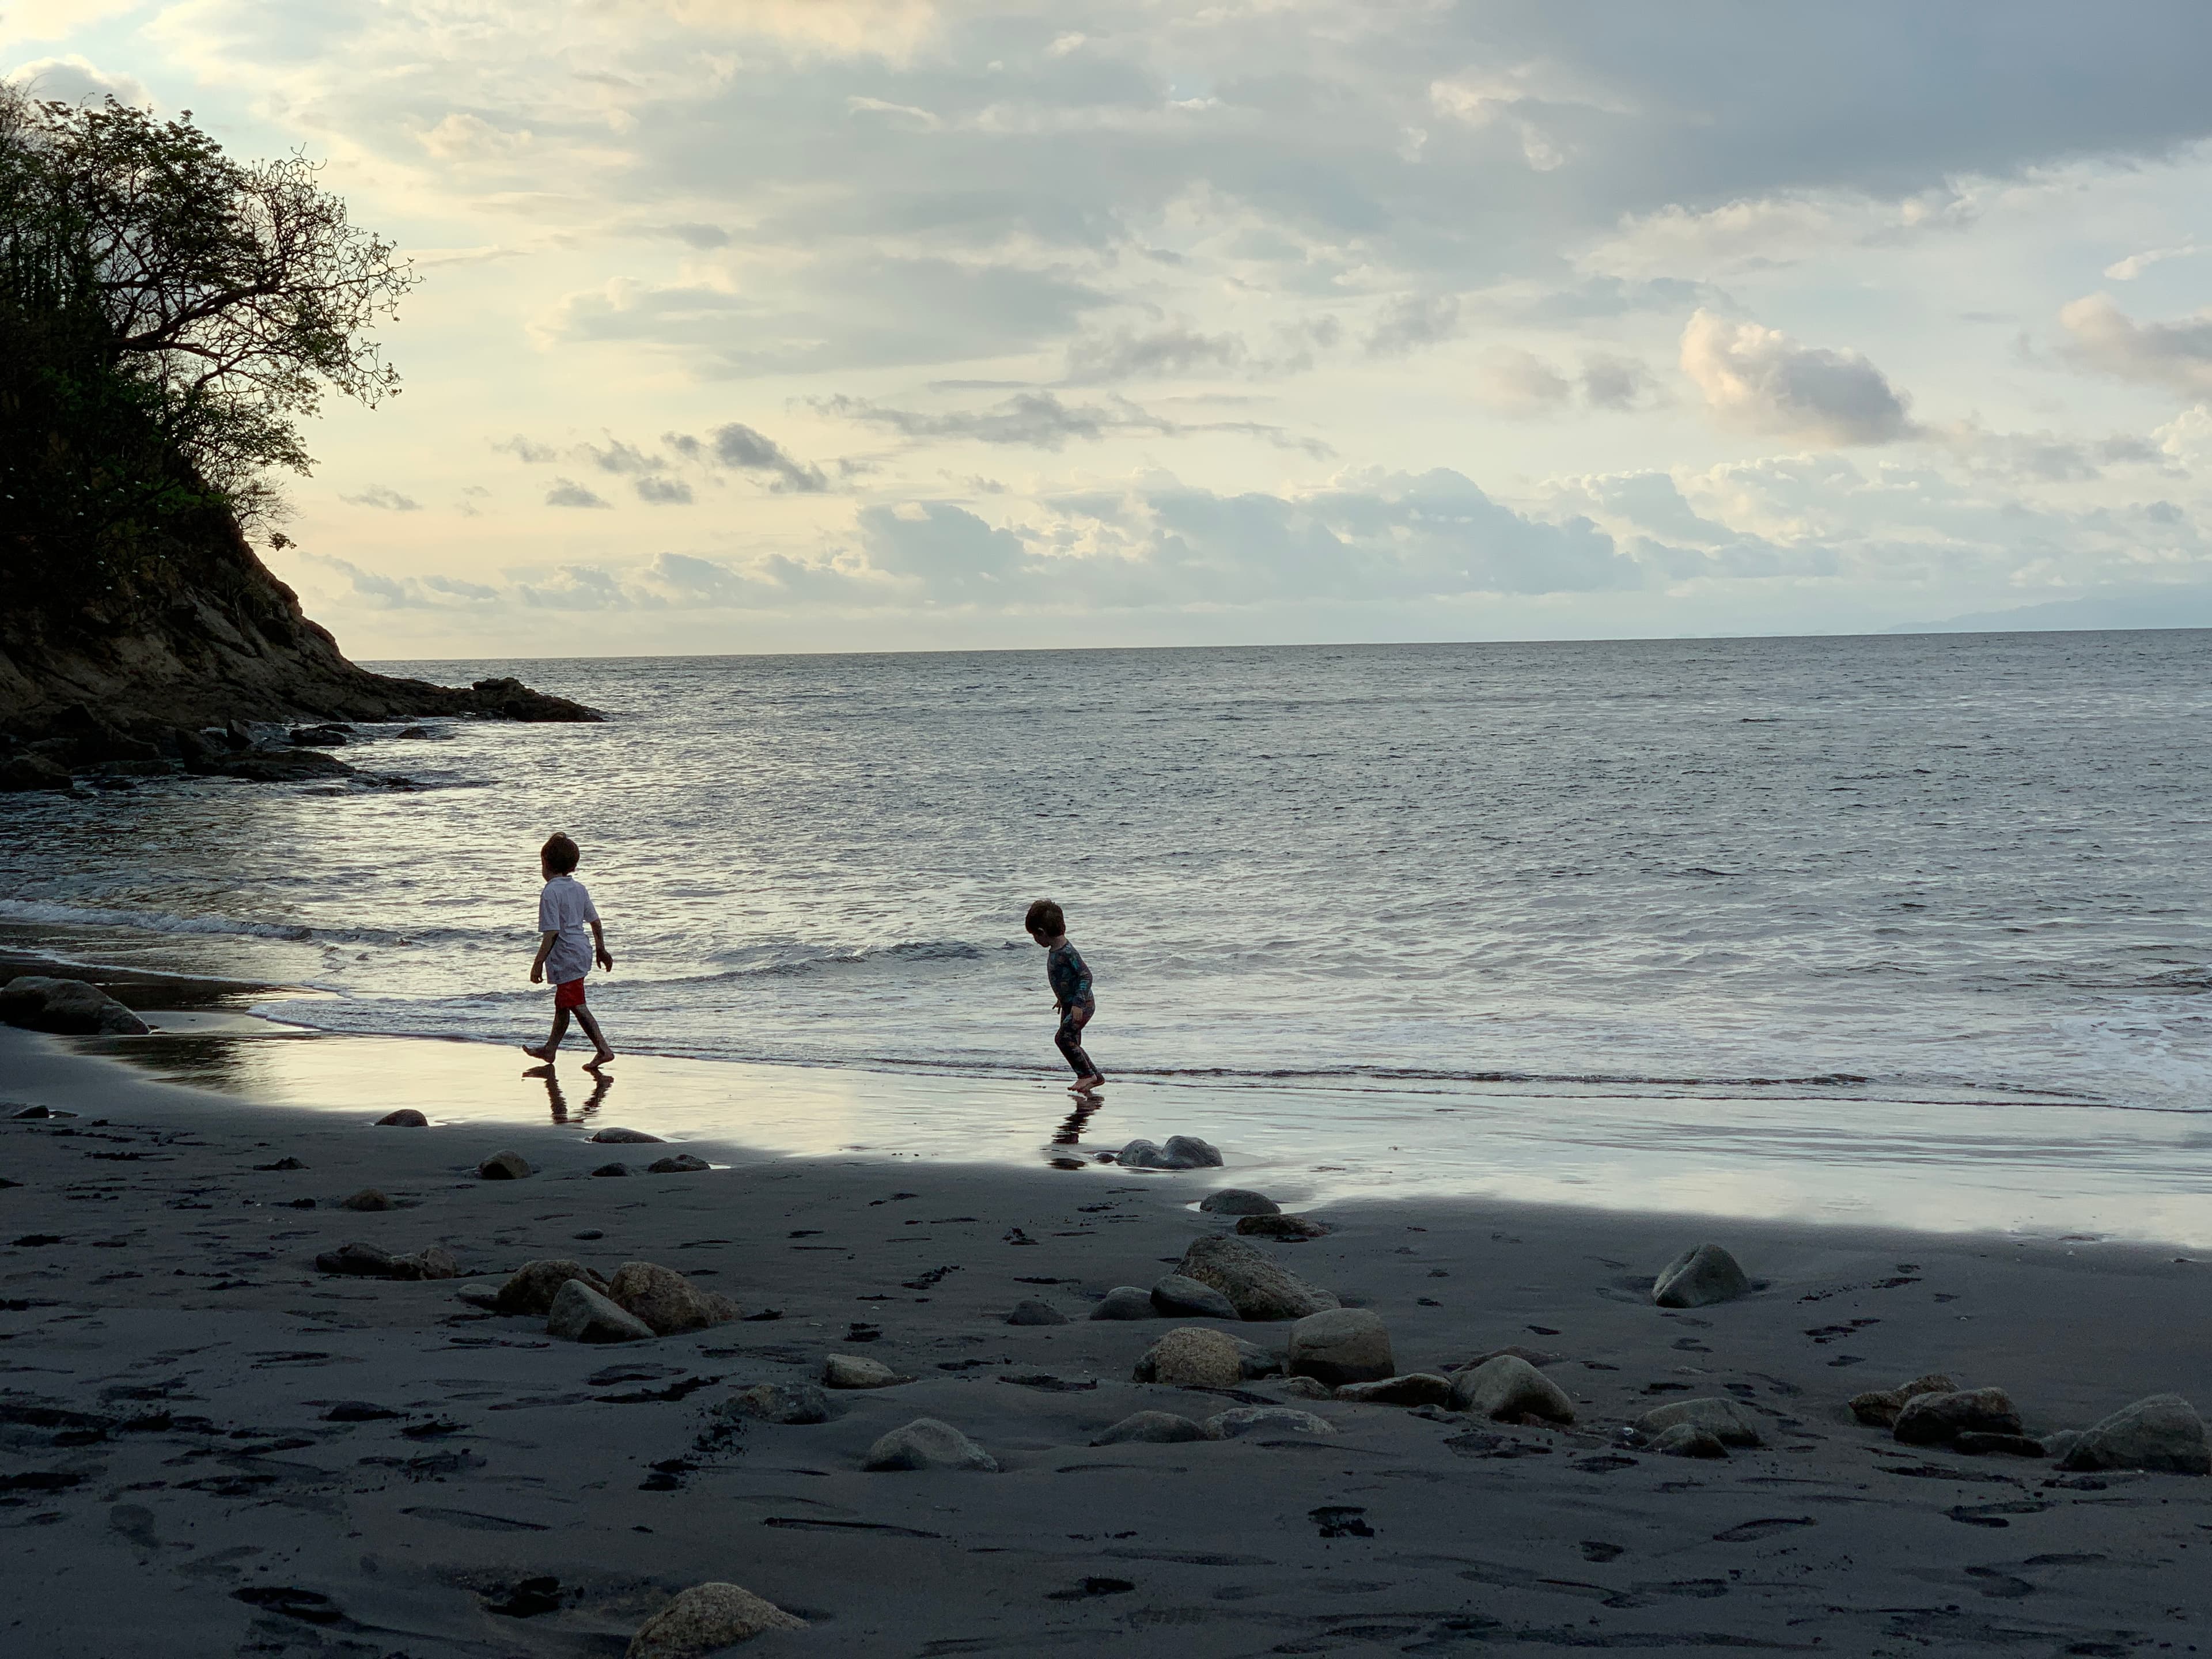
(568, 993)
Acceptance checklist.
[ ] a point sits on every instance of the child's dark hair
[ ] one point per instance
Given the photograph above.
(1045, 919)
(560, 855)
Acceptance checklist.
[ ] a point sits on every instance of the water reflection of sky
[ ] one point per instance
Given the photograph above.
(2040, 1169)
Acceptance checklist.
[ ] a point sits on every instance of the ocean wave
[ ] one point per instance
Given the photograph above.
(38, 913)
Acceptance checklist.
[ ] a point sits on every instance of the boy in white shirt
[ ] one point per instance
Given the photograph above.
(564, 910)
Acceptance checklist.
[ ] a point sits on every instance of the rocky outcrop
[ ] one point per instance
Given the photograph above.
(68, 1006)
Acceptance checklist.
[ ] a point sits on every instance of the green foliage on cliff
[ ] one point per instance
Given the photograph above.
(168, 315)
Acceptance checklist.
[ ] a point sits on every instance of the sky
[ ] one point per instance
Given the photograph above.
(817, 325)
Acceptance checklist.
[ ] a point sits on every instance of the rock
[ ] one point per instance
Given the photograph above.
(1258, 1362)
(1125, 1302)
(22, 774)
(1688, 1440)
(665, 1300)
(1538, 1357)
(926, 1444)
(320, 737)
(1176, 1294)
(1303, 1388)
(680, 1164)
(581, 1314)
(533, 1286)
(372, 1262)
(2059, 1441)
(368, 1197)
(1698, 1277)
(1343, 1345)
(1151, 1428)
(1415, 1388)
(1030, 1311)
(626, 1137)
(1181, 1152)
(2162, 1432)
(433, 1261)
(1878, 1408)
(1297, 1228)
(1934, 1419)
(1265, 1419)
(841, 1370)
(1192, 1356)
(1727, 1420)
(1977, 1444)
(405, 1118)
(1254, 1285)
(611, 1169)
(777, 1402)
(1506, 1388)
(69, 1006)
(504, 1166)
(704, 1619)
(1239, 1200)
(280, 766)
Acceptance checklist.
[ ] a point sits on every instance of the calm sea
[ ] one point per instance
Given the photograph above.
(1928, 868)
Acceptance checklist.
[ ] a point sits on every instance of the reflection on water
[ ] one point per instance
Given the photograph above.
(2039, 1167)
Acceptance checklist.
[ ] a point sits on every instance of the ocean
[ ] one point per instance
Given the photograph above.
(1911, 878)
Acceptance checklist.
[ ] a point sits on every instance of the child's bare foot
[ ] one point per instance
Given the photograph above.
(1084, 1085)
(544, 1054)
(599, 1059)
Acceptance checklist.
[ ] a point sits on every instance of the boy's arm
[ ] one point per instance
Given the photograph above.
(599, 946)
(546, 942)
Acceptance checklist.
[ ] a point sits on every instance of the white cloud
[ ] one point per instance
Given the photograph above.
(2105, 339)
(383, 496)
(77, 80)
(2127, 270)
(566, 492)
(1760, 381)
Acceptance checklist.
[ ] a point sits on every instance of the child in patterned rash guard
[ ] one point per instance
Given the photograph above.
(1071, 988)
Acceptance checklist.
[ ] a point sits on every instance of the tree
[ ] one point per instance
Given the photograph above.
(221, 298)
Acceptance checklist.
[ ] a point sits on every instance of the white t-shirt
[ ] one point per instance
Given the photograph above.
(564, 907)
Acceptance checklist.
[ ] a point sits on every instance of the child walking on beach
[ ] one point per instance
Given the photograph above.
(1070, 979)
(564, 910)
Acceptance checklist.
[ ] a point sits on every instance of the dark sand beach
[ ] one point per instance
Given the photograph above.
(189, 1468)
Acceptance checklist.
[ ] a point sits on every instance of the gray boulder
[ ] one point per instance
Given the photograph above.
(1935, 1419)
(613, 1137)
(776, 1402)
(581, 1314)
(1030, 1311)
(846, 1371)
(1688, 1440)
(1265, 1419)
(1413, 1389)
(2162, 1432)
(504, 1166)
(927, 1444)
(405, 1118)
(665, 1300)
(678, 1163)
(1258, 1362)
(533, 1286)
(1192, 1356)
(1151, 1428)
(1125, 1302)
(1303, 1388)
(24, 774)
(1879, 1407)
(1181, 1152)
(69, 1006)
(373, 1261)
(1340, 1346)
(368, 1197)
(611, 1169)
(1507, 1389)
(1293, 1229)
(1727, 1420)
(1698, 1277)
(1255, 1286)
(1538, 1357)
(1239, 1200)
(706, 1619)
(1176, 1294)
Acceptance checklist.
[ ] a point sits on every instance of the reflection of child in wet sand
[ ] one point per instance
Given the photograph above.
(1071, 988)
(564, 911)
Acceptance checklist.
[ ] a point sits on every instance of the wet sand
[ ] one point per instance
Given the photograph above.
(172, 1479)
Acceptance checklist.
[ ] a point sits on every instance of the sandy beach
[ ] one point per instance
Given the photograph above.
(212, 1448)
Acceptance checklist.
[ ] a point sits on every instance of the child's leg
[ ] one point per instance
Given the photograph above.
(591, 1025)
(1069, 1041)
(552, 1042)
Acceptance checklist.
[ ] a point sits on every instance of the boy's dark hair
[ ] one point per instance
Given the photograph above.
(560, 855)
(1045, 918)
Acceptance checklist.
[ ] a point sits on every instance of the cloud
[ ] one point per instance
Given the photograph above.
(577, 587)
(75, 79)
(1760, 381)
(1522, 383)
(1129, 354)
(1040, 420)
(566, 492)
(523, 449)
(2105, 339)
(463, 137)
(383, 592)
(1412, 322)
(663, 492)
(741, 446)
(699, 236)
(2127, 270)
(1610, 382)
(379, 495)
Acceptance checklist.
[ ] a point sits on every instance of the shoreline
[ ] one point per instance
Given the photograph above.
(157, 1272)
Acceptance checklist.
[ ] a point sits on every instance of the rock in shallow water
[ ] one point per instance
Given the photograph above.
(1698, 1277)
(706, 1619)
(1176, 1294)
(1506, 1388)
(1192, 1356)
(665, 1300)
(581, 1314)
(405, 1118)
(1125, 1302)
(1727, 1420)
(1239, 1200)
(1340, 1346)
(70, 1007)
(1151, 1428)
(612, 1137)
(680, 1164)
(1181, 1152)
(1254, 1285)
(927, 1444)
(533, 1286)
(2163, 1432)
(1934, 1419)
(504, 1166)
